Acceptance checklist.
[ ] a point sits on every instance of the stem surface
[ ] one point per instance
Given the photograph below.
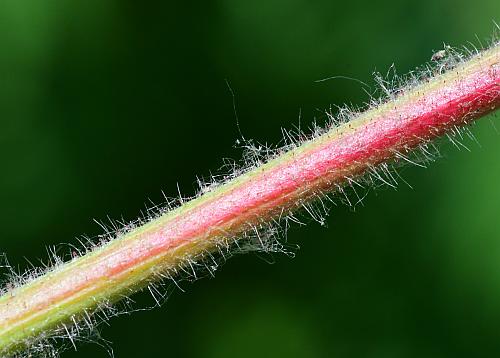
(387, 132)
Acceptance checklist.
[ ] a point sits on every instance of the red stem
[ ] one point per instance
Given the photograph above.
(321, 165)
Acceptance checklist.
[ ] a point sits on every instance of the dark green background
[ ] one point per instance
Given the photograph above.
(103, 104)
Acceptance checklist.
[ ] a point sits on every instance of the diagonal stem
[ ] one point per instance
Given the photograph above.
(68, 293)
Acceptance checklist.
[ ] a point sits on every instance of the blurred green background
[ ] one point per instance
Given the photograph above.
(103, 104)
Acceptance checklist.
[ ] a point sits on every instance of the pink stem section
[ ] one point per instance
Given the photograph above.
(379, 135)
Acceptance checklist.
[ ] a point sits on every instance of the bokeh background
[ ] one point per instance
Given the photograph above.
(103, 104)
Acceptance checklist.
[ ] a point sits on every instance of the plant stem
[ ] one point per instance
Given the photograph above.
(67, 293)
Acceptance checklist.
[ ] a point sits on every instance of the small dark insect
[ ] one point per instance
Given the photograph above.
(438, 56)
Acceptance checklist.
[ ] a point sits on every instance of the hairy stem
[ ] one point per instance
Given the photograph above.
(70, 292)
